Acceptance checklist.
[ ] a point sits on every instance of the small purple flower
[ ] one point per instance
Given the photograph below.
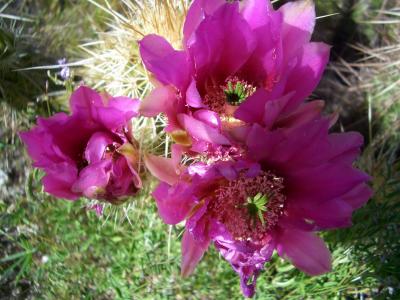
(231, 49)
(65, 72)
(89, 153)
(97, 208)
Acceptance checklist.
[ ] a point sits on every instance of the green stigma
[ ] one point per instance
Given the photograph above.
(237, 91)
(257, 205)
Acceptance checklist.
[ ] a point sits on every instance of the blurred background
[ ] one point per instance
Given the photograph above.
(51, 248)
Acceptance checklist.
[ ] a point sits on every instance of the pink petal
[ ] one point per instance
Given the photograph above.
(124, 181)
(305, 250)
(299, 21)
(256, 12)
(310, 145)
(214, 46)
(162, 168)
(273, 110)
(197, 12)
(176, 154)
(60, 179)
(305, 113)
(159, 100)
(252, 110)
(306, 75)
(209, 117)
(324, 181)
(126, 105)
(40, 143)
(97, 146)
(192, 253)
(325, 213)
(193, 97)
(83, 102)
(131, 155)
(358, 196)
(168, 65)
(345, 147)
(304, 146)
(93, 179)
(71, 145)
(227, 171)
(174, 203)
(239, 134)
(262, 144)
(112, 118)
(265, 64)
(202, 131)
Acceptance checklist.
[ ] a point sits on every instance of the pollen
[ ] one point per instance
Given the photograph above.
(250, 207)
(236, 91)
(223, 98)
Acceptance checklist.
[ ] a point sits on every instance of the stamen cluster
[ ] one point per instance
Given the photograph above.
(231, 206)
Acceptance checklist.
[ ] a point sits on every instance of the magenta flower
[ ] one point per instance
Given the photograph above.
(89, 153)
(231, 50)
(292, 180)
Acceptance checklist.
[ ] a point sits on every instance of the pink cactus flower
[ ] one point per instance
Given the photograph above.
(291, 179)
(89, 153)
(231, 49)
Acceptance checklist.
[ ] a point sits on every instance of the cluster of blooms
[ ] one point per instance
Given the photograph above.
(267, 174)
(92, 152)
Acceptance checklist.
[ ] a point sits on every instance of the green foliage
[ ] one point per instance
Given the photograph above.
(16, 52)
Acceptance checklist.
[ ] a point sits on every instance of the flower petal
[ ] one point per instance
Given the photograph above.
(264, 67)
(252, 110)
(192, 252)
(262, 144)
(197, 12)
(305, 250)
(202, 131)
(159, 100)
(59, 180)
(173, 203)
(209, 117)
(123, 181)
(358, 196)
(214, 46)
(324, 213)
(256, 12)
(93, 180)
(117, 112)
(306, 75)
(273, 110)
(40, 142)
(132, 158)
(329, 180)
(162, 168)
(96, 146)
(305, 113)
(125, 104)
(168, 65)
(83, 102)
(345, 147)
(299, 22)
(193, 97)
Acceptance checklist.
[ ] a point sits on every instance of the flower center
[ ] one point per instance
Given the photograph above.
(236, 91)
(111, 151)
(221, 98)
(249, 207)
(221, 153)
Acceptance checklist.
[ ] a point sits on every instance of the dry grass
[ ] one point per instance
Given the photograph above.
(113, 61)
